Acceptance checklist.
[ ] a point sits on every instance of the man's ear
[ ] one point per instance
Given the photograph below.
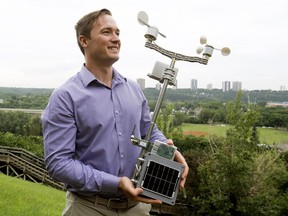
(83, 41)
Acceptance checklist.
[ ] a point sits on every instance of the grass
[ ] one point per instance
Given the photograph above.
(266, 135)
(273, 136)
(21, 197)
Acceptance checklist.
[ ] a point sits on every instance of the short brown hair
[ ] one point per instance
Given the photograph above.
(85, 24)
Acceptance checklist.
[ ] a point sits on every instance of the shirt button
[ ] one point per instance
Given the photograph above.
(122, 156)
(120, 134)
(117, 112)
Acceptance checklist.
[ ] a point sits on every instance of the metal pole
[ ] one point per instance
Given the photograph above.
(167, 78)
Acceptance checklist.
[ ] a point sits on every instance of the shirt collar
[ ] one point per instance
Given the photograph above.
(87, 77)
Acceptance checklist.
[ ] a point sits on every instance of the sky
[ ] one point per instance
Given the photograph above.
(38, 47)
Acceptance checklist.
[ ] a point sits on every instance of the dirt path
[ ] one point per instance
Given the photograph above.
(195, 133)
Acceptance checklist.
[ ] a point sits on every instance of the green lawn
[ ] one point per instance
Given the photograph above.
(267, 135)
(273, 136)
(23, 198)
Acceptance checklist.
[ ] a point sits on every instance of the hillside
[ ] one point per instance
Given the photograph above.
(19, 197)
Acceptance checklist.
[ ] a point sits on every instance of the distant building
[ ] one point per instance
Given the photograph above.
(209, 86)
(1, 100)
(158, 86)
(226, 86)
(236, 86)
(282, 88)
(194, 84)
(141, 83)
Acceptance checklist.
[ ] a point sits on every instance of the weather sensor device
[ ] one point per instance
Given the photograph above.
(156, 171)
(159, 176)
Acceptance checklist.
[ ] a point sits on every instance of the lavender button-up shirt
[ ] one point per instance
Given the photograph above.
(87, 128)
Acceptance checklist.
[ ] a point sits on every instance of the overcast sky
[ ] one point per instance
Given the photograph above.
(38, 45)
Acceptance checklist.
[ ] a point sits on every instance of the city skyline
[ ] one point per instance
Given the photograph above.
(233, 85)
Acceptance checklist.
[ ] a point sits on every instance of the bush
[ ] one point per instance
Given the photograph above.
(33, 144)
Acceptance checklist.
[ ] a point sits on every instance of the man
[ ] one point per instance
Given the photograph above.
(87, 126)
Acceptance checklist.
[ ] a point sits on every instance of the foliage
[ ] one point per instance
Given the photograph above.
(232, 176)
(24, 98)
(31, 143)
(243, 119)
(20, 123)
(216, 95)
(242, 183)
(211, 103)
(165, 120)
(274, 116)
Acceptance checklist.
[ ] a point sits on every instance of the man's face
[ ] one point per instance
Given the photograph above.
(104, 45)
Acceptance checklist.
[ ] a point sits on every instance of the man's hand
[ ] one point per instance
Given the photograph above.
(180, 159)
(127, 186)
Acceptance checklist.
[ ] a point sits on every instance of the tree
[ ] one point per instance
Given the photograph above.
(243, 119)
(164, 120)
(20, 123)
(237, 177)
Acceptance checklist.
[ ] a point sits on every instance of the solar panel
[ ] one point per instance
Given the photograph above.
(160, 178)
